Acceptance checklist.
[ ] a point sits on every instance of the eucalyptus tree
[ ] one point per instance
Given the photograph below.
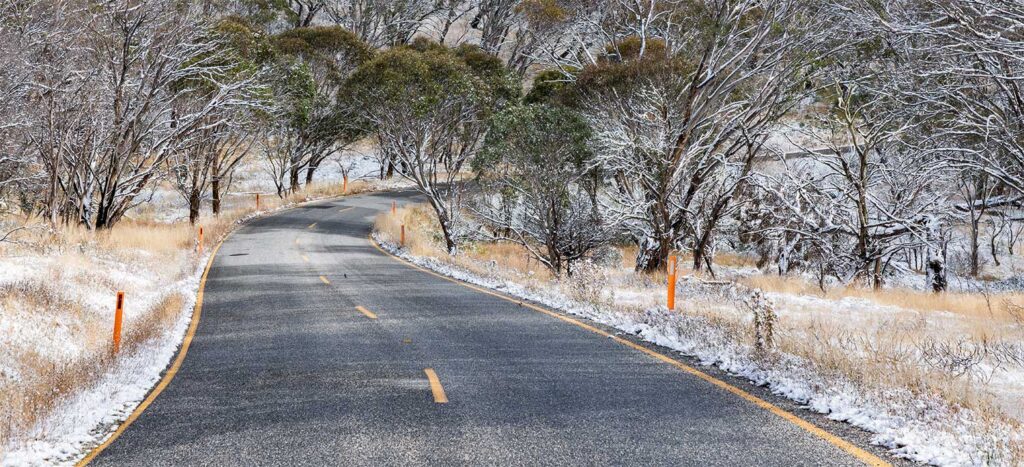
(428, 106)
(206, 160)
(387, 23)
(682, 100)
(539, 186)
(327, 55)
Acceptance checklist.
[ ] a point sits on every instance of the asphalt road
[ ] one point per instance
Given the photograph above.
(285, 370)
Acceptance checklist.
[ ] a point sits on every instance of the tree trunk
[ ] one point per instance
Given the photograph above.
(309, 172)
(652, 254)
(974, 248)
(876, 275)
(194, 203)
(995, 250)
(936, 274)
(215, 191)
(935, 263)
(700, 250)
(293, 179)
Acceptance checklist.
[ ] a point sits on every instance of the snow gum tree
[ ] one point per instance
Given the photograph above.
(327, 55)
(539, 185)
(681, 103)
(428, 106)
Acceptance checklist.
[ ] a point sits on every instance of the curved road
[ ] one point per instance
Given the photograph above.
(286, 370)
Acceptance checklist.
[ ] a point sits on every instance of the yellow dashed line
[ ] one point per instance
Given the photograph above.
(435, 386)
(305, 258)
(345, 209)
(368, 313)
(324, 280)
(312, 226)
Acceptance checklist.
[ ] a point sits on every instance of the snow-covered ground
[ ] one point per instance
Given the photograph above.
(714, 328)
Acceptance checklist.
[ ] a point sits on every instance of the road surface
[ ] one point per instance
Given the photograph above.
(314, 348)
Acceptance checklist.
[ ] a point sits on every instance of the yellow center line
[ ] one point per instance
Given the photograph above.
(435, 386)
(368, 313)
(305, 258)
(324, 280)
(855, 451)
(311, 226)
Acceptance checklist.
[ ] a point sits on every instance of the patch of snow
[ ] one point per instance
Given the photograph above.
(90, 416)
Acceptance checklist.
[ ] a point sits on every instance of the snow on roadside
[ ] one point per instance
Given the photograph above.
(919, 428)
(90, 416)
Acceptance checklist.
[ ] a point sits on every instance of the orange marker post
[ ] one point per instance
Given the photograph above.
(672, 263)
(344, 185)
(257, 201)
(394, 208)
(402, 238)
(118, 315)
(199, 246)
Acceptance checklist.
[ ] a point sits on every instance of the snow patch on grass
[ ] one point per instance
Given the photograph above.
(88, 417)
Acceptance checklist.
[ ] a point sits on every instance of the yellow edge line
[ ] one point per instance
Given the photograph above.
(311, 225)
(324, 280)
(435, 386)
(368, 313)
(861, 455)
(185, 343)
(197, 312)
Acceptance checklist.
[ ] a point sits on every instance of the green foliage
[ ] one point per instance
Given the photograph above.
(237, 53)
(491, 70)
(622, 74)
(265, 12)
(629, 48)
(327, 43)
(543, 12)
(551, 87)
(536, 142)
(311, 65)
(419, 79)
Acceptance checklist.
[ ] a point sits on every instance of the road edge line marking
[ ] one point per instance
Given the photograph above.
(196, 314)
(171, 372)
(848, 447)
(435, 387)
(368, 313)
(324, 280)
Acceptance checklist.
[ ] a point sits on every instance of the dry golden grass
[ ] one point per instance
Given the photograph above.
(423, 239)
